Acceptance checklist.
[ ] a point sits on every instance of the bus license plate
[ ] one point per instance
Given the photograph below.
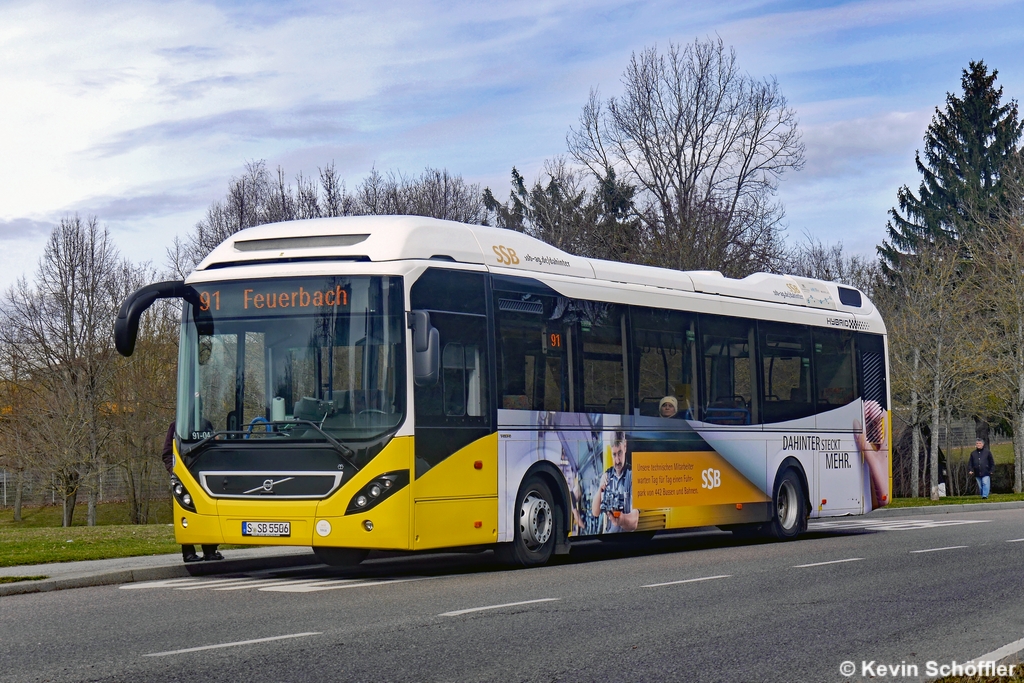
(266, 528)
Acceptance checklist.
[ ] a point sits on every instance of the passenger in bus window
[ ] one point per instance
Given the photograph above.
(614, 497)
(669, 406)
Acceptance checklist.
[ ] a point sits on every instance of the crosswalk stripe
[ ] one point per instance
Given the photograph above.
(313, 588)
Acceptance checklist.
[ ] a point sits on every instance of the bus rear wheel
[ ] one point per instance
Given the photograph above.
(535, 526)
(789, 507)
(340, 557)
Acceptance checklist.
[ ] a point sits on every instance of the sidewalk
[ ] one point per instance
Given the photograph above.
(61, 575)
(946, 509)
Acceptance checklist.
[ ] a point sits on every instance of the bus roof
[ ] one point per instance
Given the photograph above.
(400, 238)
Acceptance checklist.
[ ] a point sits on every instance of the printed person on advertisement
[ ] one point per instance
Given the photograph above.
(614, 497)
(874, 449)
(981, 464)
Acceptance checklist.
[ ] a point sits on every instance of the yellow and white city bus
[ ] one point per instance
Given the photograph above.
(406, 383)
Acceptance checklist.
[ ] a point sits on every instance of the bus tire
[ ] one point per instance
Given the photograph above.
(789, 511)
(535, 526)
(340, 557)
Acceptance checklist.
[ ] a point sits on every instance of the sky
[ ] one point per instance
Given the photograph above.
(139, 113)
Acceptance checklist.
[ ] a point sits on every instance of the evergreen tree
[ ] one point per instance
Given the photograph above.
(966, 148)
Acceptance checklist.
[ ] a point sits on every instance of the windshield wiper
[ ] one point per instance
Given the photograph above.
(234, 435)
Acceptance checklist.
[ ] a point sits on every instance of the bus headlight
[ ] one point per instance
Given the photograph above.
(181, 494)
(377, 490)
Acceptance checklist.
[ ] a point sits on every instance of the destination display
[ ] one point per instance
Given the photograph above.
(275, 297)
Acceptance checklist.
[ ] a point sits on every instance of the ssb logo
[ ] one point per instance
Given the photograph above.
(711, 478)
(793, 288)
(506, 255)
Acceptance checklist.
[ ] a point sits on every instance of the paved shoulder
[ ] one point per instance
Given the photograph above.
(63, 575)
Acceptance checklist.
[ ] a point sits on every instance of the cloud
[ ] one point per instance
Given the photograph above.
(861, 145)
(24, 228)
(319, 121)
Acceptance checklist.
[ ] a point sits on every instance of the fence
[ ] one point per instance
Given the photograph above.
(111, 485)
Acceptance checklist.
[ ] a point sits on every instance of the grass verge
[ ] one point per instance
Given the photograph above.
(955, 500)
(45, 545)
(106, 514)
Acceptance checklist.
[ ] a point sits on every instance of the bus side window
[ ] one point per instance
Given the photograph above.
(462, 374)
(835, 384)
(785, 352)
(602, 330)
(532, 353)
(664, 352)
(730, 372)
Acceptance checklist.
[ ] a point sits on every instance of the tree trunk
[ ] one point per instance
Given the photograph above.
(133, 500)
(68, 501)
(94, 468)
(948, 443)
(1018, 449)
(1018, 427)
(19, 488)
(92, 498)
(915, 431)
(936, 413)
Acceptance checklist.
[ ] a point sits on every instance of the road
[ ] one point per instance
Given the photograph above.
(687, 607)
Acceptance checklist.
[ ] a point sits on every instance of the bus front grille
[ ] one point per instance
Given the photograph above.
(287, 485)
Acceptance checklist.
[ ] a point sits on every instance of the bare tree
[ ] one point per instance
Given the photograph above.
(998, 256)
(59, 330)
(931, 302)
(141, 397)
(706, 146)
(812, 258)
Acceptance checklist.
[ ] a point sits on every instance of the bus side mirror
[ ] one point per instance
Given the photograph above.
(426, 349)
(126, 327)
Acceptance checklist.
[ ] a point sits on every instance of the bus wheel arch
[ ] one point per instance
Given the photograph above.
(540, 509)
(790, 501)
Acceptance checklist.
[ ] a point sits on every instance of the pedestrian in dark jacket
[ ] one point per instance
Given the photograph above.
(188, 552)
(981, 466)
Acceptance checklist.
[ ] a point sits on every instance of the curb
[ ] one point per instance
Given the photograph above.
(947, 509)
(175, 571)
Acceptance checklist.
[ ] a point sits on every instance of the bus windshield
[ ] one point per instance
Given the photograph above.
(292, 359)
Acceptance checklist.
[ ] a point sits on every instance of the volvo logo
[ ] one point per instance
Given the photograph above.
(268, 485)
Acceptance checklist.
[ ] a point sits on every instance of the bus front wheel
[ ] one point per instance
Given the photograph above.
(535, 526)
(340, 557)
(789, 509)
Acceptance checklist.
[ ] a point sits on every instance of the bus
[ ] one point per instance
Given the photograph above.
(410, 384)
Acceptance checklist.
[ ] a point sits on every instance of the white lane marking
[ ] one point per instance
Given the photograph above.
(1005, 651)
(252, 584)
(1015, 540)
(162, 583)
(313, 587)
(673, 583)
(234, 644)
(829, 524)
(820, 564)
(216, 583)
(507, 604)
(935, 550)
